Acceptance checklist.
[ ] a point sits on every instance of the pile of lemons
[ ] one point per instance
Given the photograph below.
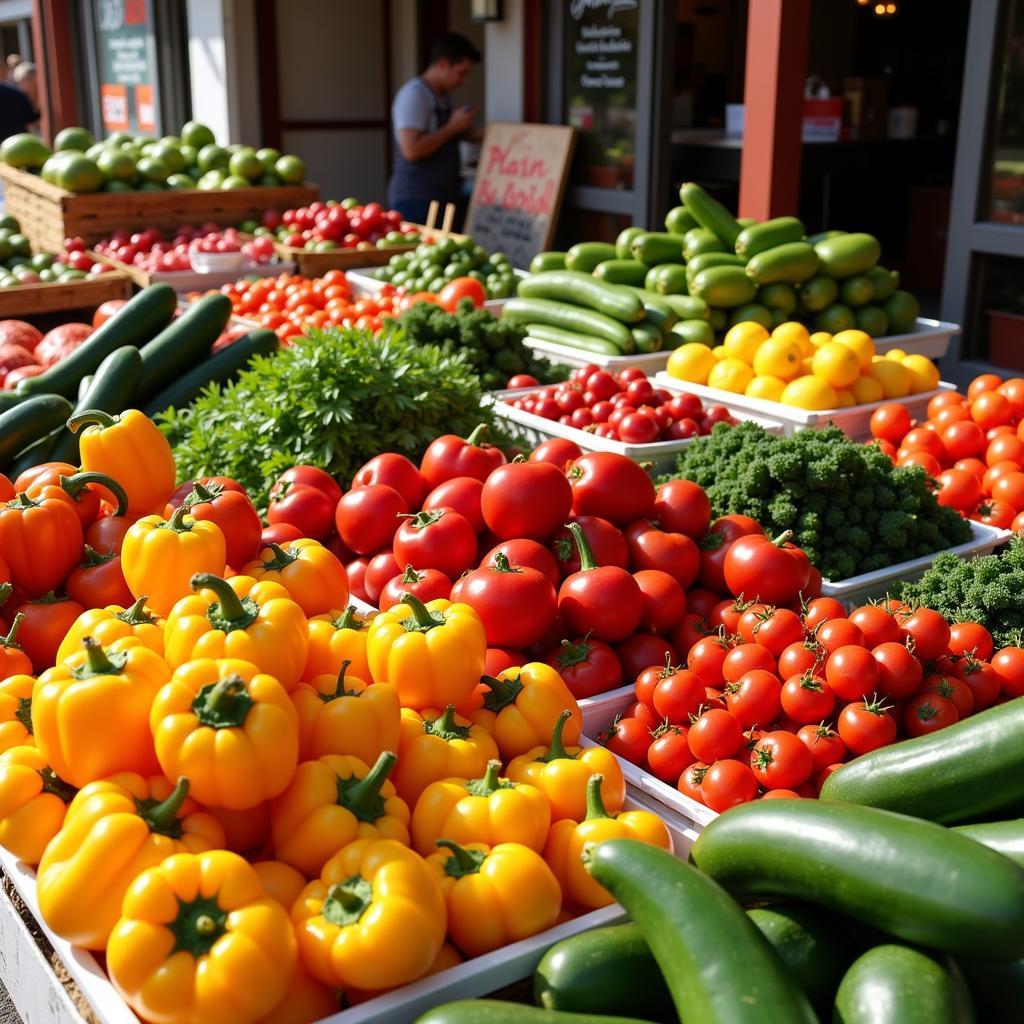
(817, 371)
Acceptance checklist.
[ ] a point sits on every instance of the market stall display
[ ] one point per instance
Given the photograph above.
(432, 266)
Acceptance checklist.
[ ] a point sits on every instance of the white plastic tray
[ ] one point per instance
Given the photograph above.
(928, 338)
(363, 282)
(649, 362)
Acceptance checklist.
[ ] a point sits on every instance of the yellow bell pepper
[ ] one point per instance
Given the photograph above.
(115, 829)
(342, 714)
(239, 618)
(282, 882)
(331, 802)
(561, 773)
(90, 715)
(247, 831)
(230, 729)
(199, 941)
(33, 802)
(569, 839)
(495, 895)
(16, 712)
(313, 576)
(522, 706)
(374, 920)
(105, 625)
(435, 746)
(160, 556)
(488, 810)
(335, 637)
(432, 654)
(131, 449)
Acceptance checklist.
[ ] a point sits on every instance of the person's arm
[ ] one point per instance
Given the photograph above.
(417, 145)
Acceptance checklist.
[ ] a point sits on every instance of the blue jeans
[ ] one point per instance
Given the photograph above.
(414, 210)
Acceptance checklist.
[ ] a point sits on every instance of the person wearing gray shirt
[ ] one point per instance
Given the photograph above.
(427, 130)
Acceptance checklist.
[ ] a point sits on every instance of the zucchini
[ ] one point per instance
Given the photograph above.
(647, 337)
(698, 240)
(694, 330)
(963, 772)
(625, 240)
(835, 318)
(85, 383)
(497, 1011)
(606, 970)
(30, 423)
(679, 220)
(573, 339)
(111, 391)
(711, 214)
(996, 989)
(822, 235)
(712, 259)
(182, 343)
(751, 311)
(793, 262)
(653, 247)
(893, 983)
(717, 965)
(218, 368)
(659, 312)
(885, 281)
(846, 255)
(768, 234)
(686, 307)
(779, 296)
(911, 878)
(547, 261)
(611, 300)
(136, 323)
(9, 399)
(584, 256)
(621, 272)
(1005, 836)
(666, 279)
(724, 287)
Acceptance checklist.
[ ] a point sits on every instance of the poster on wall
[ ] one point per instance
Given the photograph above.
(126, 57)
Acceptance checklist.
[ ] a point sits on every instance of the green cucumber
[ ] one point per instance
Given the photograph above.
(712, 259)
(688, 307)
(996, 989)
(584, 290)
(86, 382)
(768, 234)
(30, 423)
(657, 247)
(724, 287)
(606, 970)
(497, 1011)
(217, 368)
(792, 262)
(846, 255)
(718, 966)
(183, 343)
(9, 399)
(694, 330)
(113, 386)
(666, 279)
(818, 293)
(584, 256)
(574, 339)
(1005, 836)
(647, 337)
(619, 271)
(698, 240)
(885, 281)
(893, 983)
(547, 261)
(965, 771)
(679, 220)
(911, 878)
(822, 235)
(135, 323)
(625, 240)
(657, 310)
(711, 214)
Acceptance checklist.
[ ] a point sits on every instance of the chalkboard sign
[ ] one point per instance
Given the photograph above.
(518, 189)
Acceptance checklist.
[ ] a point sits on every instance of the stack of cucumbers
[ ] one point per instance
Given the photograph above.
(141, 358)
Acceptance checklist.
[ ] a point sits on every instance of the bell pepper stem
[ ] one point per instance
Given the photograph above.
(136, 614)
(99, 663)
(462, 861)
(446, 727)
(93, 558)
(587, 560)
(164, 816)
(347, 619)
(362, 799)
(231, 607)
(223, 704)
(595, 804)
(557, 751)
(74, 485)
(6, 589)
(200, 493)
(281, 560)
(424, 618)
(11, 639)
(489, 783)
(339, 689)
(502, 564)
(783, 538)
(411, 576)
(177, 521)
(478, 432)
(90, 417)
(503, 692)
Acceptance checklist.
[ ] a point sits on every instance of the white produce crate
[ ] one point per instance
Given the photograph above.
(40, 995)
(599, 703)
(854, 421)
(929, 338)
(649, 362)
(363, 282)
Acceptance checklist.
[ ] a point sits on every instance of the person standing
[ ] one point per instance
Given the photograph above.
(17, 110)
(427, 130)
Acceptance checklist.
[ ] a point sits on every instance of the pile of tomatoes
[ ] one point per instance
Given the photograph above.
(973, 445)
(772, 701)
(624, 407)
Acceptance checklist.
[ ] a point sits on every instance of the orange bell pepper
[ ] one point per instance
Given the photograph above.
(159, 557)
(13, 660)
(115, 829)
(41, 540)
(374, 919)
(16, 712)
(331, 802)
(247, 831)
(239, 618)
(33, 803)
(313, 576)
(342, 714)
(132, 450)
(105, 625)
(282, 882)
(335, 637)
(435, 746)
(229, 728)
(199, 941)
(90, 715)
(495, 895)
(562, 773)
(522, 706)
(487, 810)
(432, 654)
(569, 840)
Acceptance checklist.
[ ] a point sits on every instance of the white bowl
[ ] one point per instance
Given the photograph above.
(214, 262)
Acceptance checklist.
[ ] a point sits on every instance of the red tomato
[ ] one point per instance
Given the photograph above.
(774, 571)
(983, 681)
(99, 581)
(715, 735)
(47, 621)
(777, 629)
(278, 533)
(1005, 448)
(706, 658)
(930, 633)
(462, 288)
(674, 553)
(638, 651)
(982, 383)
(970, 638)
(994, 472)
(588, 667)
(806, 656)
(701, 601)
(781, 761)
(836, 633)
(822, 609)
(612, 487)
(991, 409)
(689, 782)
(825, 745)
(648, 679)
(526, 499)
(923, 439)
(851, 672)
(669, 753)
(558, 451)
(746, 658)
(396, 471)
(450, 456)
(461, 493)
(1009, 488)
(381, 569)
(526, 553)
(439, 539)
(498, 660)
(899, 672)
(726, 784)
(924, 460)
(973, 466)
(953, 689)
(628, 738)
(679, 695)
(876, 624)
(426, 584)
(958, 489)
(105, 310)
(756, 697)
(367, 517)
(866, 725)
(807, 698)
(996, 514)
(308, 509)
(312, 476)
(928, 713)
(664, 600)
(606, 541)
(960, 440)
(891, 422)
(681, 506)
(237, 517)
(715, 545)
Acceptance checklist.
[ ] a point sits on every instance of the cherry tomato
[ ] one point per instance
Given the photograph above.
(438, 539)
(807, 698)
(606, 542)
(715, 544)
(822, 609)
(380, 570)
(930, 633)
(707, 658)
(527, 553)
(689, 782)
(426, 584)
(983, 681)
(773, 571)
(851, 672)
(628, 738)
(612, 487)
(1009, 666)
(558, 451)
(962, 439)
(891, 422)
(726, 784)
(679, 695)
(368, 517)
(777, 629)
(588, 667)
(396, 471)
(648, 679)
(1009, 488)
(306, 508)
(997, 514)
(746, 658)
(806, 656)
(836, 633)
(450, 456)
(866, 725)
(309, 476)
(825, 745)
(781, 761)
(970, 638)
(958, 489)
(526, 499)
(953, 689)
(928, 713)
(681, 506)
(669, 753)
(899, 672)
(715, 735)
(278, 533)
(646, 714)
(641, 649)
(991, 409)
(755, 698)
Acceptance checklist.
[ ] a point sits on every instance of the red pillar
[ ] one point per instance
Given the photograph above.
(773, 97)
(55, 56)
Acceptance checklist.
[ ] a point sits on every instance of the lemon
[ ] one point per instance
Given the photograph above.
(743, 339)
(691, 362)
(844, 398)
(768, 388)
(810, 392)
(860, 342)
(792, 330)
(866, 389)
(807, 365)
(894, 377)
(719, 353)
(730, 374)
(895, 353)
(837, 364)
(778, 357)
(924, 375)
(818, 338)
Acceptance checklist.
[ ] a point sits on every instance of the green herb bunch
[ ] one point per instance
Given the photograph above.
(848, 506)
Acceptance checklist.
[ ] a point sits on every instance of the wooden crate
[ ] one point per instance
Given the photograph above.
(49, 214)
(23, 300)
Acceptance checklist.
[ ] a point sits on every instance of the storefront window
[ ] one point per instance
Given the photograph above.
(600, 88)
(1006, 198)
